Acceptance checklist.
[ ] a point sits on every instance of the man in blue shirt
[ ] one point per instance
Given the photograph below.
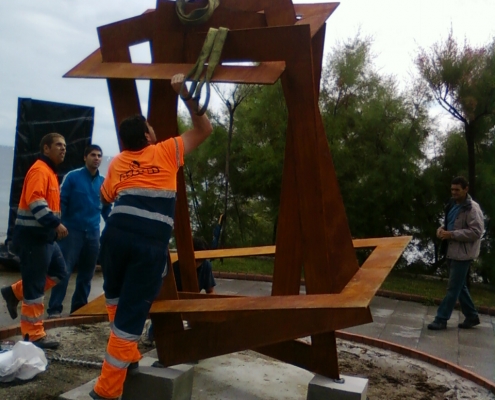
(81, 209)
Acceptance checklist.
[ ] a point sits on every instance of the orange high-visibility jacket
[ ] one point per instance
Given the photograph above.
(39, 208)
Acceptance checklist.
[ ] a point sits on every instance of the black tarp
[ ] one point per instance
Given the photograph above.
(36, 118)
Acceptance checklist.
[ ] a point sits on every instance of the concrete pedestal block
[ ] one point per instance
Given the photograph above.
(150, 383)
(323, 388)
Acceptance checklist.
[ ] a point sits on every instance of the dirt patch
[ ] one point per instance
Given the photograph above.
(391, 376)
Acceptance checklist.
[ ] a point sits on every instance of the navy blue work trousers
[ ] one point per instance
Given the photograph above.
(132, 268)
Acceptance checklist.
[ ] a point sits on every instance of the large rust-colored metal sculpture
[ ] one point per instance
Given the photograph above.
(286, 41)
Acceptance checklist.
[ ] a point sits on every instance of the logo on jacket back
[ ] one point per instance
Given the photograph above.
(135, 169)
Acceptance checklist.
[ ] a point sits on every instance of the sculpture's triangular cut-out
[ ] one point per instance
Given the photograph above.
(312, 231)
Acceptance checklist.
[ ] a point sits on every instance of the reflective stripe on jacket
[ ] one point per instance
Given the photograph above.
(143, 185)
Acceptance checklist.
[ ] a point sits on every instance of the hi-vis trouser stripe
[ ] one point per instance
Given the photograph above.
(120, 353)
(32, 318)
(111, 306)
(18, 287)
(124, 335)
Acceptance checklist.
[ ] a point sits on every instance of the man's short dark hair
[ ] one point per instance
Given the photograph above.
(460, 180)
(199, 244)
(48, 140)
(131, 133)
(92, 147)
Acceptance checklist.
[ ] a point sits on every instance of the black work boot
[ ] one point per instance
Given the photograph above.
(96, 396)
(437, 325)
(46, 343)
(11, 300)
(469, 323)
(133, 368)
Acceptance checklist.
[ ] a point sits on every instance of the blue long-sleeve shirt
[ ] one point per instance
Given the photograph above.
(80, 200)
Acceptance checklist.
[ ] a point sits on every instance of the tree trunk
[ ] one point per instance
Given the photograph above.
(227, 171)
(470, 135)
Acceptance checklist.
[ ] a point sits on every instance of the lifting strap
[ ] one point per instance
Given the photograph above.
(210, 53)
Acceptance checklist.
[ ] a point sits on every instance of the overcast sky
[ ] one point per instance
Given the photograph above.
(40, 40)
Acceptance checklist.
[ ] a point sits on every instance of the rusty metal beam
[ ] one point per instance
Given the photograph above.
(92, 67)
(252, 330)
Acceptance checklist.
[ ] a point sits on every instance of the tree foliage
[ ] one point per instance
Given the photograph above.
(462, 81)
(380, 135)
(376, 134)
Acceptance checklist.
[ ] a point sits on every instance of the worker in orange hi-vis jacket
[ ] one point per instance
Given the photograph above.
(37, 228)
(141, 182)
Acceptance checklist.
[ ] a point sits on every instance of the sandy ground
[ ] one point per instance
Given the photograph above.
(391, 376)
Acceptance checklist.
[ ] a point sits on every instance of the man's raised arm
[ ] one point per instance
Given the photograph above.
(201, 124)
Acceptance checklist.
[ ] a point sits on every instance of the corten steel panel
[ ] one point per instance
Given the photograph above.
(328, 245)
(319, 224)
(314, 15)
(289, 240)
(323, 352)
(289, 255)
(231, 19)
(298, 353)
(114, 42)
(253, 330)
(118, 36)
(358, 292)
(280, 12)
(163, 113)
(92, 67)
(317, 45)
(242, 45)
(239, 46)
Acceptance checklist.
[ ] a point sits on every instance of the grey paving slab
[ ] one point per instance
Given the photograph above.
(232, 286)
(412, 309)
(448, 337)
(384, 303)
(431, 311)
(481, 336)
(441, 344)
(478, 360)
(372, 330)
(406, 320)
(402, 335)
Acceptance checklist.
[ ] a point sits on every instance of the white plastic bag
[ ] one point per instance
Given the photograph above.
(24, 362)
